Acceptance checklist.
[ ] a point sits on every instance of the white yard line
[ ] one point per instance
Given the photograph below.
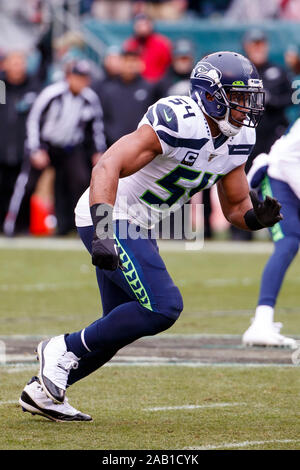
(237, 445)
(149, 338)
(28, 358)
(17, 367)
(34, 243)
(193, 407)
(196, 364)
(54, 286)
(43, 286)
(74, 244)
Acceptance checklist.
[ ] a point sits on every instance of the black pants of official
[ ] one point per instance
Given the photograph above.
(8, 177)
(72, 176)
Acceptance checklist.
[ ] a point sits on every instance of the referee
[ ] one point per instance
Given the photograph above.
(64, 126)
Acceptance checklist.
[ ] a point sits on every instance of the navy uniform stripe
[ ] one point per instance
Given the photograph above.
(241, 149)
(196, 144)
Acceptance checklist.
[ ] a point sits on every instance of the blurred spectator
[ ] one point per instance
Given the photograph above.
(86, 6)
(153, 48)
(177, 79)
(69, 40)
(111, 65)
(69, 47)
(35, 11)
(125, 99)
(253, 10)
(278, 93)
(2, 58)
(20, 93)
(63, 118)
(165, 10)
(292, 59)
(290, 10)
(207, 8)
(112, 10)
(44, 47)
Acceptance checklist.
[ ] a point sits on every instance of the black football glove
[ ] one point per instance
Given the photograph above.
(267, 212)
(105, 253)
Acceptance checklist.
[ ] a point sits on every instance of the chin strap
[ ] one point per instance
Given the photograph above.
(229, 130)
(226, 127)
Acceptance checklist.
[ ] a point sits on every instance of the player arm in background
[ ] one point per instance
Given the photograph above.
(244, 209)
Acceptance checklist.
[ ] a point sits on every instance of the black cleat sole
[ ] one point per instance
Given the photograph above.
(28, 405)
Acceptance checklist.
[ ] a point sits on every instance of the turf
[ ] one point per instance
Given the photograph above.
(118, 398)
(50, 292)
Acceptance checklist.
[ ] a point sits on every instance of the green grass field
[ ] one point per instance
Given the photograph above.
(50, 292)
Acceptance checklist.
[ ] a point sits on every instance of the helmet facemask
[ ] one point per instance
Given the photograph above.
(249, 100)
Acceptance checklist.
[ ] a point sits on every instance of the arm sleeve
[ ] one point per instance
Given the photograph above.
(258, 170)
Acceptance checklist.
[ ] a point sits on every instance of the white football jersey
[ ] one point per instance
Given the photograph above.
(191, 160)
(283, 161)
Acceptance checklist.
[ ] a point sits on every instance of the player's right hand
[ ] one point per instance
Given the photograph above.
(105, 254)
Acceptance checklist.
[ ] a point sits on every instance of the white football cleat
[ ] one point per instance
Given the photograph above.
(34, 400)
(55, 365)
(259, 334)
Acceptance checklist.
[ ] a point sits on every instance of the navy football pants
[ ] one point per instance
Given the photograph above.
(140, 300)
(286, 237)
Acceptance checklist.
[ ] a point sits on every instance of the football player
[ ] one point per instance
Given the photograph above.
(278, 174)
(181, 146)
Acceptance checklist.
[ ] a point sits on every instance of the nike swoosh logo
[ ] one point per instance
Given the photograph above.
(168, 119)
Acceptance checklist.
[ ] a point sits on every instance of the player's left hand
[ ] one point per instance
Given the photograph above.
(267, 212)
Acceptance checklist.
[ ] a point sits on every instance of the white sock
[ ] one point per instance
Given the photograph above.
(264, 314)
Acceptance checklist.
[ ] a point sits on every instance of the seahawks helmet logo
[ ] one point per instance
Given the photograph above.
(201, 69)
(208, 72)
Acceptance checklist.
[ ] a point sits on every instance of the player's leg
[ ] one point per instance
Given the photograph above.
(111, 296)
(33, 398)
(286, 237)
(157, 305)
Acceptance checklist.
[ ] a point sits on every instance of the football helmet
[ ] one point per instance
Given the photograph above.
(226, 81)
